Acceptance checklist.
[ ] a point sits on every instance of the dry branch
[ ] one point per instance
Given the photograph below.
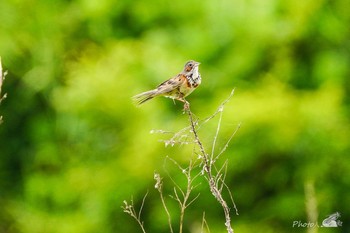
(2, 78)
(130, 209)
(206, 163)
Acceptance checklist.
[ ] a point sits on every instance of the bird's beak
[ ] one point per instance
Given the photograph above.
(198, 63)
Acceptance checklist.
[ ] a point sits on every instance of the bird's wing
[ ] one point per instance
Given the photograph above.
(171, 84)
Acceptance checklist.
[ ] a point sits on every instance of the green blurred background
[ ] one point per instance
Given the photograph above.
(73, 146)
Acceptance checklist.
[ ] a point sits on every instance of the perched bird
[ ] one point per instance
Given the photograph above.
(177, 87)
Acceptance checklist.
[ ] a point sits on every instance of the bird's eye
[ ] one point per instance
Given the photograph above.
(190, 65)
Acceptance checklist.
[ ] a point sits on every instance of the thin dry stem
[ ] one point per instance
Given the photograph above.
(207, 161)
(159, 187)
(182, 138)
(220, 177)
(231, 197)
(216, 136)
(2, 78)
(184, 201)
(130, 209)
(220, 108)
(207, 164)
(228, 142)
(204, 223)
(178, 138)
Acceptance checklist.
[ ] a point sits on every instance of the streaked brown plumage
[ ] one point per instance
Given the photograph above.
(177, 87)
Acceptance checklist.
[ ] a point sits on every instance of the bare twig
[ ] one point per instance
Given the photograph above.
(231, 197)
(216, 134)
(208, 161)
(204, 161)
(204, 223)
(220, 108)
(179, 137)
(2, 78)
(184, 201)
(130, 209)
(228, 142)
(159, 187)
(220, 176)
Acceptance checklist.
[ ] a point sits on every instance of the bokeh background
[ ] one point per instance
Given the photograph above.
(73, 146)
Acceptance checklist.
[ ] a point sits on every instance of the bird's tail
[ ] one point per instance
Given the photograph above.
(144, 96)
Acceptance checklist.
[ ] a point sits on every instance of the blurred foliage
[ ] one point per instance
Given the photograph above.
(73, 146)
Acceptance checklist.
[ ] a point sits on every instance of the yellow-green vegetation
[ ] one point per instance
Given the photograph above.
(73, 147)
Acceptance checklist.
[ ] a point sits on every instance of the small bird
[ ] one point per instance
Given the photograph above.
(177, 87)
